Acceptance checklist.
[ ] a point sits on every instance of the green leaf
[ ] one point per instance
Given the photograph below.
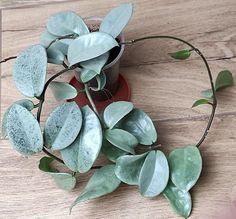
(65, 23)
(62, 90)
(23, 131)
(61, 45)
(63, 180)
(28, 104)
(141, 126)
(55, 56)
(87, 75)
(180, 200)
(115, 21)
(83, 152)
(121, 139)
(62, 126)
(181, 55)
(101, 81)
(29, 71)
(200, 102)
(96, 64)
(90, 46)
(185, 167)
(128, 168)
(154, 174)
(224, 79)
(115, 112)
(111, 152)
(103, 182)
(207, 93)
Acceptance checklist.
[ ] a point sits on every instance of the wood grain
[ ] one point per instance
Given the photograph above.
(162, 87)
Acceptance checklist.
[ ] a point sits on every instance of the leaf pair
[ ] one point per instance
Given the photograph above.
(185, 168)
(224, 79)
(64, 181)
(127, 127)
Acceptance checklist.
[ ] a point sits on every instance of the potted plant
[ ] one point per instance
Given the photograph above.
(125, 134)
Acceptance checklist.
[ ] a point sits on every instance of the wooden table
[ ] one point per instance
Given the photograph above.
(162, 87)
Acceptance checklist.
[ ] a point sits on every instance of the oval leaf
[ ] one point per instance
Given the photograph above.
(63, 180)
(111, 152)
(141, 126)
(87, 75)
(55, 56)
(128, 168)
(185, 167)
(29, 71)
(90, 46)
(62, 126)
(81, 155)
(28, 104)
(115, 112)
(180, 200)
(62, 90)
(154, 174)
(224, 79)
(96, 64)
(103, 182)
(65, 23)
(23, 131)
(181, 55)
(115, 21)
(200, 102)
(121, 139)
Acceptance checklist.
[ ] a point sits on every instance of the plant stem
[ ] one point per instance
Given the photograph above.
(69, 36)
(90, 99)
(7, 59)
(214, 104)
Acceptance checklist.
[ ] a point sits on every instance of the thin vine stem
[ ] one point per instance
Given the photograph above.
(193, 48)
(69, 36)
(86, 87)
(8, 59)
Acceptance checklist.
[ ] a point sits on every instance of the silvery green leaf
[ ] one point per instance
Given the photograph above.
(65, 23)
(29, 71)
(61, 45)
(55, 56)
(111, 152)
(115, 21)
(82, 153)
(96, 64)
(185, 167)
(63, 90)
(24, 131)
(180, 200)
(224, 79)
(154, 174)
(90, 46)
(121, 139)
(115, 112)
(63, 180)
(128, 168)
(62, 126)
(28, 104)
(141, 126)
(103, 182)
(87, 75)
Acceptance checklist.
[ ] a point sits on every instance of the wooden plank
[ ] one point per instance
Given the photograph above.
(28, 193)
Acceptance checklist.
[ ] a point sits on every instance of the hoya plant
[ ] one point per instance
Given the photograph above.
(124, 134)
